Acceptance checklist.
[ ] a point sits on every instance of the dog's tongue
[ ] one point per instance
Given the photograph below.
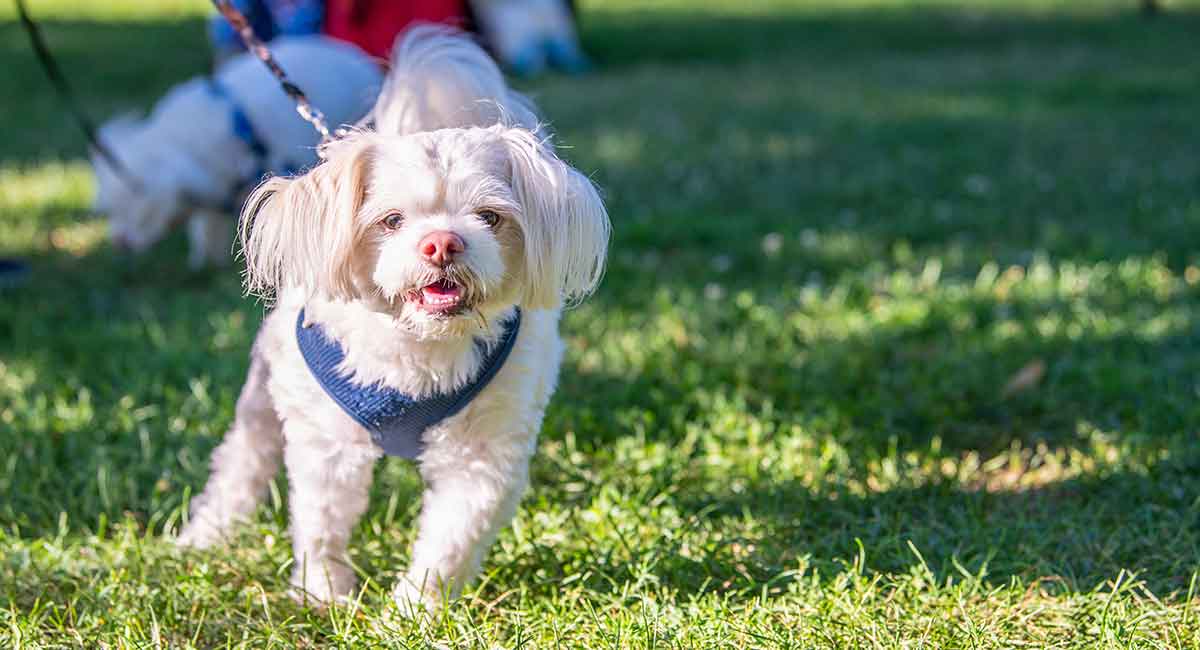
(441, 288)
(441, 294)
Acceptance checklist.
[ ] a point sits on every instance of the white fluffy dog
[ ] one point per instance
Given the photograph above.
(212, 138)
(420, 253)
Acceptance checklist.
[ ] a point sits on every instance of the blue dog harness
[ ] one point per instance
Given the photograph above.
(396, 420)
(244, 130)
(242, 127)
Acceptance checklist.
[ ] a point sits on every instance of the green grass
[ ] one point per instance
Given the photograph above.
(840, 231)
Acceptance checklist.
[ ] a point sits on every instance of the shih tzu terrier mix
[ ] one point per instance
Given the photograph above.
(420, 276)
(210, 139)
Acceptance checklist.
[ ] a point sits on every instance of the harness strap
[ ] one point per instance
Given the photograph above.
(243, 128)
(397, 421)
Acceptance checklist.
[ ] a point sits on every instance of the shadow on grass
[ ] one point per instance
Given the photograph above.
(1070, 536)
(876, 170)
(940, 377)
(893, 395)
(114, 67)
(880, 394)
(884, 115)
(835, 37)
(118, 66)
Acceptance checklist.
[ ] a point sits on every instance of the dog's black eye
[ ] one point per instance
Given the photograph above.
(489, 217)
(393, 220)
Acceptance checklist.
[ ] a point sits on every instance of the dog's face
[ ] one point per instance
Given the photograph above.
(438, 230)
(138, 217)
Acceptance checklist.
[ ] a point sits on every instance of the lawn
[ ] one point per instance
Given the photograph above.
(898, 348)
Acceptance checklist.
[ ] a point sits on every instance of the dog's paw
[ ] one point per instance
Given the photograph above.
(411, 601)
(199, 534)
(334, 585)
(319, 599)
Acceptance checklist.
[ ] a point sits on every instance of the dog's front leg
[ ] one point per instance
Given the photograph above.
(464, 506)
(330, 480)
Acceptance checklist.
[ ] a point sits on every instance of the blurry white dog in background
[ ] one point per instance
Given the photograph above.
(211, 139)
(415, 250)
(531, 35)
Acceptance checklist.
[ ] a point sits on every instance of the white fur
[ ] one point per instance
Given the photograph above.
(426, 89)
(321, 242)
(185, 154)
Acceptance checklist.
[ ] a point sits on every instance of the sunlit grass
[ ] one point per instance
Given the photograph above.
(111, 10)
(897, 348)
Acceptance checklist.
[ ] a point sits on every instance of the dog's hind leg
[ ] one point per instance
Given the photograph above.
(242, 466)
(210, 239)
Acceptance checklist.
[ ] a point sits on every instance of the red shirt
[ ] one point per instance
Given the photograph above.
(374, 24)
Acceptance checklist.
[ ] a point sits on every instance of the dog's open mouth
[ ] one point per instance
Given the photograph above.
(444, 297)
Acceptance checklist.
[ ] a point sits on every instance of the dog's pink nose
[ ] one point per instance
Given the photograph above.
(441, 246)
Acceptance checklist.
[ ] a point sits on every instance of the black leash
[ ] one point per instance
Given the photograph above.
(255, 46)
(59, 81)
(307, 111)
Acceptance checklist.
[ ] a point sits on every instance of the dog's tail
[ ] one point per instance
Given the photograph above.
(440, 78)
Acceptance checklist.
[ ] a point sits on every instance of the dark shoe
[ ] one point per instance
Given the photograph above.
(13, 273)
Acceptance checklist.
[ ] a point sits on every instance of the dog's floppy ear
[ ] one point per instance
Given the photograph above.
(565, 223)
(301, 231)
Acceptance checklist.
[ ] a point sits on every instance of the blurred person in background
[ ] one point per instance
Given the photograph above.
(269, 19)
(526, 36)
(372, 25)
